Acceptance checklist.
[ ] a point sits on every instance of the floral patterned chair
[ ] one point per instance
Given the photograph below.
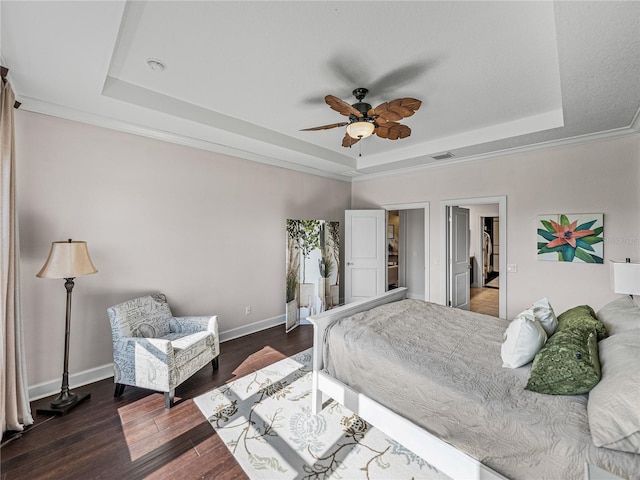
(155, 350)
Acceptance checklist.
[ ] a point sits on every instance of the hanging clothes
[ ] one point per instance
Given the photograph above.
(486, 251)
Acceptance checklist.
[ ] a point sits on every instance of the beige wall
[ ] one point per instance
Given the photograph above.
(599, 177)
(206, 229)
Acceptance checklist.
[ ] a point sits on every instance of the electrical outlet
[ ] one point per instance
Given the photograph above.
(247, 310)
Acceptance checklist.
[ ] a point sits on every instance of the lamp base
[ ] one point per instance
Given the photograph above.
(61, 410)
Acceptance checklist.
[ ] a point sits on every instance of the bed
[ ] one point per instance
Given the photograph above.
(442, 392)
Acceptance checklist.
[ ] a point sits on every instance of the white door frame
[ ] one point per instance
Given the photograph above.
(502, 214)
(425, 207)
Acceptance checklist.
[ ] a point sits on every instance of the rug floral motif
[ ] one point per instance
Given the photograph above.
(265, 420)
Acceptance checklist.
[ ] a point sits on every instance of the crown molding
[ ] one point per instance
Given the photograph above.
(46, 108)
(633, 129)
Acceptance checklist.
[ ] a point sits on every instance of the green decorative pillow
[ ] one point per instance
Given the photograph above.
(582, 317)
(568, 364)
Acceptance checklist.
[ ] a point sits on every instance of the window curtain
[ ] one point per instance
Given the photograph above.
(14, 398)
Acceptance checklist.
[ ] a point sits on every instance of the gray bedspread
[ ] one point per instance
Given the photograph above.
(441, 368)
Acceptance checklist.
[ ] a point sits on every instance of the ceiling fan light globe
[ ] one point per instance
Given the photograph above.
(361, 129)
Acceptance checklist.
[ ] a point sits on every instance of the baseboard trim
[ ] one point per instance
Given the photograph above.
(76, 380)
(251, 328)
(415, 296)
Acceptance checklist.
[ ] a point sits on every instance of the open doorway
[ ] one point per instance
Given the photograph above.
(484, 292)
(490, 252)
(486, 255)
(393, 249)
(408, 248)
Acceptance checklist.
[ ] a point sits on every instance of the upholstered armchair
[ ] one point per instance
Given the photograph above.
(153, 349)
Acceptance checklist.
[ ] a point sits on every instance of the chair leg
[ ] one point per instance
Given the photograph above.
(168, 398)
(214, 363)
(119, 389)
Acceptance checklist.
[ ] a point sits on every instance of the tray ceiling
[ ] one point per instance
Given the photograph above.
(242, 78)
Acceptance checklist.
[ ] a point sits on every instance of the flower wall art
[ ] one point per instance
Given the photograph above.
(575, 238)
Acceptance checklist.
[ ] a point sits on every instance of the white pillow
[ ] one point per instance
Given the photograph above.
(523, 338)
(546, 316)
(620, 315)
(613, 408)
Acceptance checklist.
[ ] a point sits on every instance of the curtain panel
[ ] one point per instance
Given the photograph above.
(14, 398)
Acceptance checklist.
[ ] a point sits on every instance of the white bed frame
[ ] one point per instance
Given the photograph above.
(442, 455)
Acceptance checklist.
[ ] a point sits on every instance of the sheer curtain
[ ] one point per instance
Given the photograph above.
(14, 398)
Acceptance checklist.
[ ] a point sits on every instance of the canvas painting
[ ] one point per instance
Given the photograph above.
(577, 238)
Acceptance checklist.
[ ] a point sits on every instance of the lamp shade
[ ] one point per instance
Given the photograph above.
(68, 259)
(360, 129)
(625, 277)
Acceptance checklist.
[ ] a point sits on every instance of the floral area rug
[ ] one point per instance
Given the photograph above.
(266, 422)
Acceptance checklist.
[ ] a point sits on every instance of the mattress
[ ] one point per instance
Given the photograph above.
(441, 368)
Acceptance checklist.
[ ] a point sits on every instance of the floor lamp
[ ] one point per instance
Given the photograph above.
(66, 260)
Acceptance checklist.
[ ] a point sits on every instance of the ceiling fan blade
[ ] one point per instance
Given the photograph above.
(383, 111)
(380, 120)
(325, 127)
(398, 109)
(405, 106)
(412, 103)
(400, 77)
(341, 106)
(347, 141)
(393, 131)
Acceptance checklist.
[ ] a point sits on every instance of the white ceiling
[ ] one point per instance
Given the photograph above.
(243, 78)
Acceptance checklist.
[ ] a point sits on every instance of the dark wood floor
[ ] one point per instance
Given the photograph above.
(133, 436)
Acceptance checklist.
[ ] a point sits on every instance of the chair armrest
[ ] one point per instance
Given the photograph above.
(195, 324)
(157, 347)
(144, 362)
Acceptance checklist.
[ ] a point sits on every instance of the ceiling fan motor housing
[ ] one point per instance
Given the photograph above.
(362, 107)
(360, 93)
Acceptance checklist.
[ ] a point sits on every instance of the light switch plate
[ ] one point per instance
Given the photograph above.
(512, 268)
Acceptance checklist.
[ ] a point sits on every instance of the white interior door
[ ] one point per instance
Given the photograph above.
(365, 254)
(459, 257)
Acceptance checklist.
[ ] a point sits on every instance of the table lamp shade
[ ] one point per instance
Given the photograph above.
(68, 259)
(625, 278)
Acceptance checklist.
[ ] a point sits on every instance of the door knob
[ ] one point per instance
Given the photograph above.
(349, 263)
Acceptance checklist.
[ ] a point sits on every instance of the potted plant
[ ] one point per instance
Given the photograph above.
(326, 267)
(307, 233)
(333, 240)
(292, 311)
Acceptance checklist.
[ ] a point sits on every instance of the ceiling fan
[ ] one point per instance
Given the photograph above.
(364, 120)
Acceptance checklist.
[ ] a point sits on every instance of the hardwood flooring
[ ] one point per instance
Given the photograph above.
(485, 300)
(134, 436)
